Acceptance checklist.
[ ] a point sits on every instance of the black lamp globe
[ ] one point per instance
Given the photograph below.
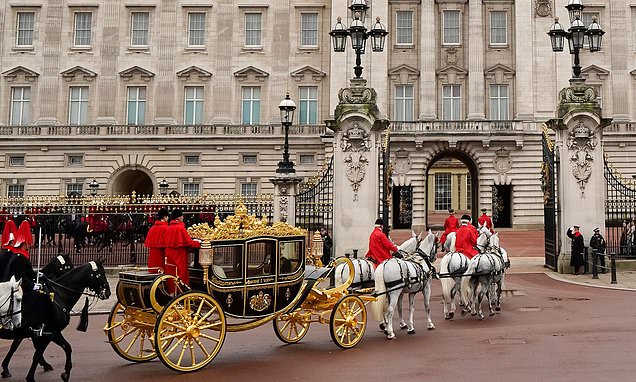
(286, 107)
(577, 31)
(163, 187)
(378, 34)
(93, 186)
(557, 34)
(574, 7)
(339, 36)
(359, 7)
(358, 33)
(595, 35)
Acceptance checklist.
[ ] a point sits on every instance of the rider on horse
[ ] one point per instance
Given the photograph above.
(450, 225)
(484, 220)
(466, 239)
(380, 247)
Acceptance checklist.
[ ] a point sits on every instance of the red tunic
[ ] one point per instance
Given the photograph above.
(178, 241)
(380, 246)
(485, 220)
(466, 240)
(450, 225)
(155, 242)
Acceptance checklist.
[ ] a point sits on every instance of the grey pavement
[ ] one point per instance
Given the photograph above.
(626, 281)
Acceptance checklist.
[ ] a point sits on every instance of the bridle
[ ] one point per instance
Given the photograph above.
(6, 318)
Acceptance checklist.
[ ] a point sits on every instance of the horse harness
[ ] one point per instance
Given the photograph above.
(405, 281)
(363, 280)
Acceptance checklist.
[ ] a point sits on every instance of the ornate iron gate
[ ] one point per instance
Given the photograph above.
(620, 213)
(314, 204)
(384, 171)
(548, 185)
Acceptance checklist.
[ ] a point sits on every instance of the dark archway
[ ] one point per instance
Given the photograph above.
(132, 179)
(473, 178)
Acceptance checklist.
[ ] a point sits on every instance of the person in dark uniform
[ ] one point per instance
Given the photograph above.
(576, 261)
(597, 243)
(327, 245)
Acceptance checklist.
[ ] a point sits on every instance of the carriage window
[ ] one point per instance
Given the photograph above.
(227, 262)
(290, 256)
(259, 258)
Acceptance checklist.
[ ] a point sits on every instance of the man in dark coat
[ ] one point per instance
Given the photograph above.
(576, 261)
(597, 243)
(327, 245)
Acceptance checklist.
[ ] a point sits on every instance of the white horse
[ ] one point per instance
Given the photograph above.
(449, 244)
(411, 275)
(11, 304)
(498, 280)
(481, 273)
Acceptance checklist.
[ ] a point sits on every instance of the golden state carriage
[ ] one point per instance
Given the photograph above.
(247, 274)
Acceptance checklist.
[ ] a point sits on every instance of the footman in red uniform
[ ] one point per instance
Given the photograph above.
(450, 225)
(178, 242)
(380, 247)
(156, 242)
(466, 238)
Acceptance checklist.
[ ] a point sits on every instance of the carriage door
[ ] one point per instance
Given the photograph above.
(260, 276)
(402, 207)
(502, 206)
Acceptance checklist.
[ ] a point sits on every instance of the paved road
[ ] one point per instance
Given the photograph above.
(548, 331)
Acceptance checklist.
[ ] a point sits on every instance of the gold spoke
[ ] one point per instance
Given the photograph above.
(141, 343)
(355, 314)
(200, 307)
(192, 356)
(169, 336)
(339, 320)
(342, 335)
(206, 315)
(208, 326)
(196, 340)
(295, 328)
(210, 338)
(174, 346)
(117, 324)
(183, 349)
(175, 325)
(133, 341)
(285, 326)
(118, 339)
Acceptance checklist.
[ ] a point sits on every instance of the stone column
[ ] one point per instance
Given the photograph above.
(581, 182)
(427, 58)
(524, 79)
(49, 81)
(357, 128)
(285, 191)
(475, 62)
(108, 78)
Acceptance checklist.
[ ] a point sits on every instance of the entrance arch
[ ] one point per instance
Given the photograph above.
(473, 173)
(133, 178)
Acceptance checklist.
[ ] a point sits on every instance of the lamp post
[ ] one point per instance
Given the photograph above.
(286, 107)
(576, 36)
(163, 187)
(358, 34)
(93, 186)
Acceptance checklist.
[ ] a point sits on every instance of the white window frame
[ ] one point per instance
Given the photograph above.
(248, 188)
(443, 196)
(76, 30)
(16, 160)
(191, 159)
(82, 106)
(493, 29)
(253, 35)
(402, 100)
(408, 29)
(306, 29)
(77, 187)
(302, 158)
(453, 100)
(20, 28)
(18, 192)
(23, 103)
(502, 104)
(198, 30)
(191, 188)
(459, 27)
(69, 159)
(251, 102)
(135, 29)
(246, 161)
(196, 101)
(136, 102)
(305, 101)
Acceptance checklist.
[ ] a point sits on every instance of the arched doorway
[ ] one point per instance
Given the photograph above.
(127, 180)
(452, 181)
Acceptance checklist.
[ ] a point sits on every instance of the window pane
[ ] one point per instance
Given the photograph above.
(443, 198)
(253, 29)
(451, 27)
(309, 29)
(404, 102)
(498, 32)
(308, 113)
(83, 21)
(20, 105)
(25, 25)
(196, 29)
(404, 27)
(139, 26)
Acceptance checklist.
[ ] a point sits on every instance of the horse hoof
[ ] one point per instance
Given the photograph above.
(386, 332)
(464, 312)
(411, 332)
(6, 374)
(391, 337)
(47, 367)
(431, 327)
(402, 327)
(498, 309)
(65, 377)
(447, 317)
(473, 314)
(481, 316)
(451, 315)
(491, 314)
(382, 326)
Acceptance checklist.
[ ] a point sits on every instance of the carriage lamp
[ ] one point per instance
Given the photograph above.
(93, 186)
(287, 108)
(163, 187)
(206, 257)
(358, 34)
(317, 246)
(576, 35)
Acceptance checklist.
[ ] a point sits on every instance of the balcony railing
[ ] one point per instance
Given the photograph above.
(458, 126)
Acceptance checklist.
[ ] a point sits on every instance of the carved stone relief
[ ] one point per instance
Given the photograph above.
(355, 143)
(543, 8)
(402, 163)
(502, 161)
(581, 142)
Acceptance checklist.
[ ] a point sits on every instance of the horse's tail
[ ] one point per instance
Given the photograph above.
(466, 288)
(378, 306)
(447, 282)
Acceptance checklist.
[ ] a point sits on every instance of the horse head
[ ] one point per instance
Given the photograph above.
(494, 240)
(482, 241)
(11, 303)
(428, 246)
(97, 281)
(58, 266)
(410, 245)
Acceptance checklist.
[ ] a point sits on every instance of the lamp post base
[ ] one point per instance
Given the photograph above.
(285, 168)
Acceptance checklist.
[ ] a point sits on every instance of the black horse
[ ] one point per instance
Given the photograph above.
(53, 317)
(51, 271)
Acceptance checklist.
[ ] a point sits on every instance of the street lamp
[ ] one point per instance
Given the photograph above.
(163, 187)
(286, 107)
(576, 35)
(358, 34)
(93, 185)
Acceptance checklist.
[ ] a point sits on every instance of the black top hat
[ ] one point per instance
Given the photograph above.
(576, 226)
(163, 213)
(465, 217)
(176, 213)
(483, 210)
(597, 229)
(451, 211)
(379, 221)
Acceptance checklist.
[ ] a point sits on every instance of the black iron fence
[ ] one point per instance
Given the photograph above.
(314, 203)
(113, 228)
(620, 214)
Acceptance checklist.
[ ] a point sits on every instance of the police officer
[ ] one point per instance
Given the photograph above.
(597, 243)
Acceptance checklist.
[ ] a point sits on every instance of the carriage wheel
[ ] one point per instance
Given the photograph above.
(291, 327)
(190, 331)
(348, 321)
(131, 342)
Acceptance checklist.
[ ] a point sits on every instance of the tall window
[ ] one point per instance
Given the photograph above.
(253, 29)
(248, 189)
(403, 103)
(193, 108)
(451, 103)
(83, 21)
(443, 191)
(139, 26)
(587, 18)
(499, 102)
(74, 189)
(20, 105)
(451, 35)
(78, 105)
(24, 29)
(191, 189)
(469, 193)
(15, 191)
(196, 29)
(404, 27)
(136, 105)
(309, 29)
(498, 28)
(251, 105)
(308, 105)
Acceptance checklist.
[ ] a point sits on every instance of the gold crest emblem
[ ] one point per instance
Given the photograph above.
(260, 302)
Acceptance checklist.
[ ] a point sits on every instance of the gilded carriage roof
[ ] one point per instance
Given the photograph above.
(242, 226)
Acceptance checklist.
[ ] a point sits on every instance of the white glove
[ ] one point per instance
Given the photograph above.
(197, 240)
(37, 286)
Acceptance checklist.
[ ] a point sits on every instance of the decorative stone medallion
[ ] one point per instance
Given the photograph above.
(502, 161)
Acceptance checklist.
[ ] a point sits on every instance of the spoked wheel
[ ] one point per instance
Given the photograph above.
(348, 321)
(291, 327)
(130, 333)
(190, 332)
